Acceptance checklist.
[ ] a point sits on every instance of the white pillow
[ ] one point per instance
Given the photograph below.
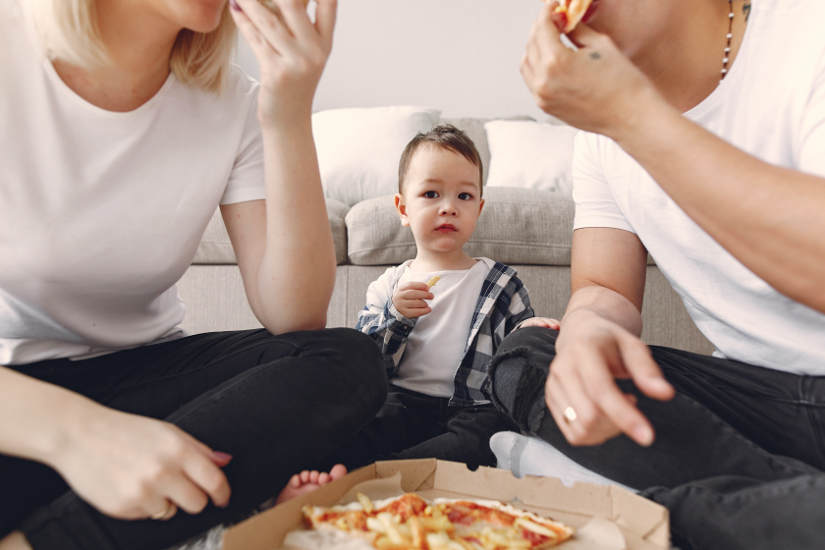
(526, 153)
(359, 148)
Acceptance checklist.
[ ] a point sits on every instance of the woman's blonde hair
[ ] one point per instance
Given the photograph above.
(69, 32)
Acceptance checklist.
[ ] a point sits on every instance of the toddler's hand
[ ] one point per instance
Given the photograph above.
(545, 322)
(409, 299)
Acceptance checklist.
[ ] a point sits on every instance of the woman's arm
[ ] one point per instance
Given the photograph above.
(284, 245)
(768, 217)
(126, 466)
(36, 417)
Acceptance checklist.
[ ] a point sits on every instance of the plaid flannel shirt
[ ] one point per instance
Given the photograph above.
(502, 304)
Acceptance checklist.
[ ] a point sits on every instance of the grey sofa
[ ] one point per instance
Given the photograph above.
(529, 229)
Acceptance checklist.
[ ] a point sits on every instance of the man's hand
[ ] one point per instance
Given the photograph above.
(581, 392)
(595, 88)
(133, 467)
(409, 299)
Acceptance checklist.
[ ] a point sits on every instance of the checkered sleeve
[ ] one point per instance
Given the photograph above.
(382, 322)
(519, 309)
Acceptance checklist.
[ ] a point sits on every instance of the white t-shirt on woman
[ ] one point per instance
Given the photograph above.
(101, 212)
(771, 105)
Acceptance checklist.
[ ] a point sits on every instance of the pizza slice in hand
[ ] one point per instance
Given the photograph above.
(569, 13)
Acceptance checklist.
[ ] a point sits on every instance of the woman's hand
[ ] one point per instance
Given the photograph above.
(581, 392)
(595, 88)
(133, 467)
(291, 50)
(409, 299)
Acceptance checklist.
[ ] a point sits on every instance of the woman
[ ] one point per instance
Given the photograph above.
(706, 149)
(124, 128)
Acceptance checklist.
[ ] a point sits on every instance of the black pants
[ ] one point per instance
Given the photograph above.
(415, 425)
(278, 404)
(739, 452)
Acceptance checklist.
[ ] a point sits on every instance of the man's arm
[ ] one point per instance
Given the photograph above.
(599, 342)
(766, 216)
(607, 276)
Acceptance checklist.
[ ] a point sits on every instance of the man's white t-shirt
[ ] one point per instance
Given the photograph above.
(771, 105)
(437, 344)
(101, 212)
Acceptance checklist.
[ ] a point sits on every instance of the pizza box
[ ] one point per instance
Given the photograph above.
(615, 517)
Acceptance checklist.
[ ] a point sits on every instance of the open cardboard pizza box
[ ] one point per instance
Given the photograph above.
(605, 517)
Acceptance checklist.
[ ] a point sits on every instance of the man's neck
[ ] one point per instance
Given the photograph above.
(427, 261)
(686, 62)
(138, 59)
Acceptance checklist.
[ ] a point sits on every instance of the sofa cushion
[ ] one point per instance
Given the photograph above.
(359, 148)
(517, 226)
(530, 154)
(216, 249)
(475, 130)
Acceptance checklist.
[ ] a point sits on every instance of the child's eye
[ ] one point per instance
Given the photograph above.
(430, 194)
(465, 196)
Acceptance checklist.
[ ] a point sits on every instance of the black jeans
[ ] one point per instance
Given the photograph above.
(278, 404)
(415, 425)
(739, 452)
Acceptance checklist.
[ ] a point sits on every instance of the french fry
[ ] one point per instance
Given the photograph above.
(365, 501)
(535, 527)
(417, 532)
(390, 527)
(434, 279)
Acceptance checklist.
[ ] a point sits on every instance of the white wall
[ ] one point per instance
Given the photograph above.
(461, 56)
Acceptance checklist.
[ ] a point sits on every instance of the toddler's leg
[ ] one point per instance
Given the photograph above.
(465, 438)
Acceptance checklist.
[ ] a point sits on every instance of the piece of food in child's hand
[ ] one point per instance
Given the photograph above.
(434, 279)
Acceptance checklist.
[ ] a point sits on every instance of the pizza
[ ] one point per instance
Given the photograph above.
(569, 13)
(409, 522)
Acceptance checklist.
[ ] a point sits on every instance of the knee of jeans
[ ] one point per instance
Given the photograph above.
(359, 355)
(529, 337)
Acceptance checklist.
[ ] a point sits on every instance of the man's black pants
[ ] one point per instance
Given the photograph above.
(739, 452)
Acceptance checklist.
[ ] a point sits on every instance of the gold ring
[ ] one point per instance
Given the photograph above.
(570, 414)
(167, 512)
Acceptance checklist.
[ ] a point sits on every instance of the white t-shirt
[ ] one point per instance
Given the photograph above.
(102, 211)
(771, 105)
(436, 345)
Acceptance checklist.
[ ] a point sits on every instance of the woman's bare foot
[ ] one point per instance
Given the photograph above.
(307, 481)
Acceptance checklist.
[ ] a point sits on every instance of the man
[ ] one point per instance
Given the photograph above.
(704, 146)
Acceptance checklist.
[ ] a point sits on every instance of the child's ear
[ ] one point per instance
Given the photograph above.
(480, 205)
(402, 209)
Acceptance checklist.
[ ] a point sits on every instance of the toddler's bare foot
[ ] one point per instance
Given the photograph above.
(14, 541)
(307, 481)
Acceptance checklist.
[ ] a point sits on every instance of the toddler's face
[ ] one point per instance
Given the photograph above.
(441, 200)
